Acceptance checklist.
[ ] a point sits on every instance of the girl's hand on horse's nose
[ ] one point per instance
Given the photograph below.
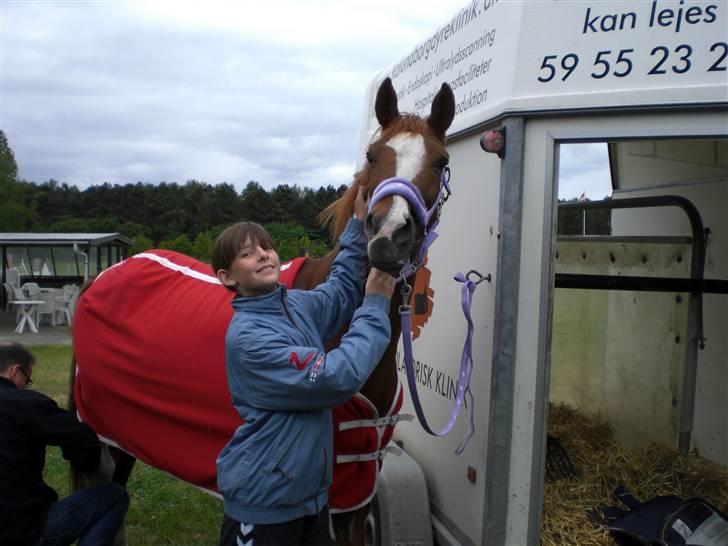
(361, 204)
(380, 282)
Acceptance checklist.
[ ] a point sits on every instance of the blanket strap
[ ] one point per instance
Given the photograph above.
(373, 456)
(390, 420)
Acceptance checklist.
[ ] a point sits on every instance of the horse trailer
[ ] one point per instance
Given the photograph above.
(630, 325)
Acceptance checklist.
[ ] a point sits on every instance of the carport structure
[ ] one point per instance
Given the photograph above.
(54, 259)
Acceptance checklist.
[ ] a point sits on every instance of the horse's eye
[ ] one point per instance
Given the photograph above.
(442, 162)
(370, 158)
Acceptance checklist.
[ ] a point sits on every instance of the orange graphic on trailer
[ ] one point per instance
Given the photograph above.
(421, 300)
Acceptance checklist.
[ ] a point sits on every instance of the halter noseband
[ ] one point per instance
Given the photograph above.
(429, 218)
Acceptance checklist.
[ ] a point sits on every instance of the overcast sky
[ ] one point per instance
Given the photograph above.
(127, 91)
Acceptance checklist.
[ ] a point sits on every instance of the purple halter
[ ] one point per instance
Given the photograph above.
(426, 217)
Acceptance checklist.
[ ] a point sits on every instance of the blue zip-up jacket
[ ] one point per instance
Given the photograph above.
(278, 465)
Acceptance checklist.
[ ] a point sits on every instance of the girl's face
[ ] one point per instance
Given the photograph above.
(253, 272)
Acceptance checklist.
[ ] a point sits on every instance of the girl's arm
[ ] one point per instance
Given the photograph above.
(267, 372)
(334, 301)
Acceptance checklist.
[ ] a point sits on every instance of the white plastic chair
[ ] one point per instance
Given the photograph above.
(66, 303)
(31, 290)
(48, 308)
(9, 296)
(18, 295)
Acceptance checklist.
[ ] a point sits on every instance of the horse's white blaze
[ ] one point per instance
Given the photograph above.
(410, 150)
(396, 217)
(410, 153)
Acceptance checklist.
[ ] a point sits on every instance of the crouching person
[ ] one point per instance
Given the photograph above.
(30, 512)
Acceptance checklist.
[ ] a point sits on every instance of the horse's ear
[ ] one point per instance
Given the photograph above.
(385, 107)
(443, 111)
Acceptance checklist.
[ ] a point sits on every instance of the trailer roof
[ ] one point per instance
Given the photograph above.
(93, 239)
(543, 56)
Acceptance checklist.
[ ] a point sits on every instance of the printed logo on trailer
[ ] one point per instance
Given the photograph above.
(422, 301)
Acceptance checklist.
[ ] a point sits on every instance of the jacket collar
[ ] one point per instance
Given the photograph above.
(271, 302)
(5, 382)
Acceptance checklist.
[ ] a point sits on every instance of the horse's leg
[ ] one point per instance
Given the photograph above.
(124, 464)
(381, 386)
(380, 389)
(115, 465)
(349, 527)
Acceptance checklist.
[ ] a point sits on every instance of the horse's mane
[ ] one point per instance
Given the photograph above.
(338, 213)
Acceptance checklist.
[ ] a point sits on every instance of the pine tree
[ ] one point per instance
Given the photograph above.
(15, 214)
(8, 166)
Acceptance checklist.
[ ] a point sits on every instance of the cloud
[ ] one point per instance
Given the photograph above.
(217, 91)
(222, 91)
(584, 168)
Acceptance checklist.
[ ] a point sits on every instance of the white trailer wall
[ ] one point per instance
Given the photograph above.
(621, 354)
(698, 171)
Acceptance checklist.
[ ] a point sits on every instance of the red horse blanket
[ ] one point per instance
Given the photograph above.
(150, 374)
(361, 436)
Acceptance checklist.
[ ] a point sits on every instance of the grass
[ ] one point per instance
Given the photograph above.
(163, 510)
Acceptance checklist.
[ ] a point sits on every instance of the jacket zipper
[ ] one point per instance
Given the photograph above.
(323, 478)
(284, 291)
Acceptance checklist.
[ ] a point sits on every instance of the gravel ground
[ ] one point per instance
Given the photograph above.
(47, 334)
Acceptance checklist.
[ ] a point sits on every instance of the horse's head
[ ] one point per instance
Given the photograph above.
(410, 150)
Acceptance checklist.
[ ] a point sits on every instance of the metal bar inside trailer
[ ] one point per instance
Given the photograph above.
(647, 284)
(695, 337)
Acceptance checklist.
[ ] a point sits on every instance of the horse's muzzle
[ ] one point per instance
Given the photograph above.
(387, 256)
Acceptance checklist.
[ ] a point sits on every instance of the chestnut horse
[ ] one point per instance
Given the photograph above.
(406, 146)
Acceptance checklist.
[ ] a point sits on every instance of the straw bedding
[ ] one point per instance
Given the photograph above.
(602, 464)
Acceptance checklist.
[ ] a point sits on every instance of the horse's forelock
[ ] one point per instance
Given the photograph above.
(406, 123)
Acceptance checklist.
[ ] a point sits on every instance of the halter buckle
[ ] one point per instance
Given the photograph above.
(445, 183)
(406, 291)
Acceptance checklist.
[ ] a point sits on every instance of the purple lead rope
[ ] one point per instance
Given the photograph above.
(466, 368)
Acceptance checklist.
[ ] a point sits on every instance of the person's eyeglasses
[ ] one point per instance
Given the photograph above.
(28, 380)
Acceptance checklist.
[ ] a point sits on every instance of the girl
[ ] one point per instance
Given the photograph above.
(274, 473)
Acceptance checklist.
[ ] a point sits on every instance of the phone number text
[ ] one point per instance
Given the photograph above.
(619, 63)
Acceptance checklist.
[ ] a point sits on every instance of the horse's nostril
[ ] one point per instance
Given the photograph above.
(369, 226)
(404, 234)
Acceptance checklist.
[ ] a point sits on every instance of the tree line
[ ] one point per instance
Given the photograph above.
(183, 217)
(188, 217)
(578, 222)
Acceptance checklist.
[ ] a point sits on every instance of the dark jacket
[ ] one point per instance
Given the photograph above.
(29, 421)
